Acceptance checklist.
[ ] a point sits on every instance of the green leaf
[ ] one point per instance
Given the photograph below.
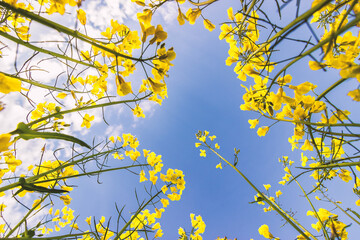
(26, 133)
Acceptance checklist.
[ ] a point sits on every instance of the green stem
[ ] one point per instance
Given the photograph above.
(331, 88)
(337, 165)
(38, 49)
(314, 124)
(135, 215)
(25, 217)
(334, 133)
(202, 3)
(299, 19)
(70, 163)
(86, 108)
(313, 208)
(38, 84)
(354, 22)
(66, 236)
(278, 210)
(91, 173)
(340, 208)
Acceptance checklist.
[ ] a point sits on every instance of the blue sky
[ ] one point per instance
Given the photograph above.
(204, 94)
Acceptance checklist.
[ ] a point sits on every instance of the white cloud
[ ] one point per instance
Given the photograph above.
(114, 130)
(168, 12)
(100, 14)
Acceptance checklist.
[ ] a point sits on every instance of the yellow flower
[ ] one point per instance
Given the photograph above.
(355, 95)
(66, 199)
(88, 220)
(278, 193)
(9, 84)
(230, 13)
(86, 121)
(304, 159)
(253, 122)
(262, 131)
(81, 15)
(159, 35)
(212, 137)
(61, 95)
(142, 176)
(164, 189)
(139, 2)
(164, 202)
(145, 17)
(316, 65)
(307, 146)
(208, 25)
(264, 231)
(181, 17)
(37, 203)
(5, 141)
(217, 146)
(219, 166)
(193, 14)
(138, 112)
(267, 186)
(181, 232)
(123, 88)
(2, 207)
(345, 175)
(202, 153)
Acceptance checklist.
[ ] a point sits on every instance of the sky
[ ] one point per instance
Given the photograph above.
(204, 94)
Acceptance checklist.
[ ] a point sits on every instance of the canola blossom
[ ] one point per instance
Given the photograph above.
(129, 67)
